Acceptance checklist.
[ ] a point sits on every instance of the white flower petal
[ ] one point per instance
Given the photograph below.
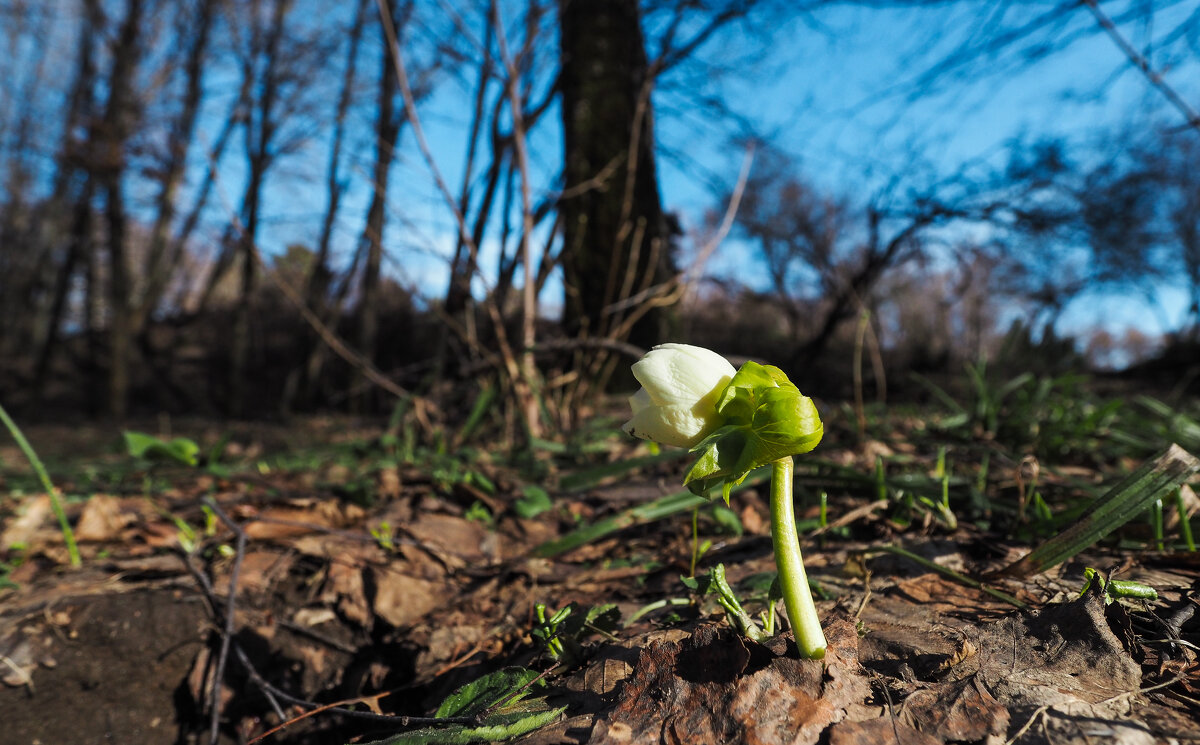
(640, 400)
(677, 403)
(675, 374)
(668, 425)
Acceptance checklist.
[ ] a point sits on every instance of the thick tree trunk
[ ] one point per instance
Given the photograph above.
(615, 240)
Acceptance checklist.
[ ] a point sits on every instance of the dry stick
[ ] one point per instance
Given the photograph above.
(414, 121)
(1138, 60)
(210, 597)
(529, 299)
(272, 693)
(331, 339)
(672, 291)
(214, 733)
(631, 168)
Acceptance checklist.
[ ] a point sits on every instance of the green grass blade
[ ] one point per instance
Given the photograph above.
(483, 403)
(1185, 525)
(939, 393)
(672, 504)
(949, 573)
(586, 478)
(1128, 499)
(44, 477)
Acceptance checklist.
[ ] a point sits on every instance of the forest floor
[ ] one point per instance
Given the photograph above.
(347, 582)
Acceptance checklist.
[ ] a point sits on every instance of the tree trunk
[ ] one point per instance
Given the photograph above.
(615, 240)
(317, 282)
(388, 128)
(74, 188)
(259, 139)
(119, 113)
(161, 258)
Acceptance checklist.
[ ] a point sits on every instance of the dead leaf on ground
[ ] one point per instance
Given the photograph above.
(275, 523)
(401, 600)
(20, 532)
(882, 731)
(344, 588)
(262, 569)
(456, 541)
(716, 686)
(105, 517)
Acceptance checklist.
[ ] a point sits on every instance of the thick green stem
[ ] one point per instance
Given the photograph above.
(797, 598)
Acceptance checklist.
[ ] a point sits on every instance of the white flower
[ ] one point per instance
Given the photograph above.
(677, 404)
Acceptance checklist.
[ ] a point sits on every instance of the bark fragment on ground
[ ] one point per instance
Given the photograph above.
(716, 686)
(1061, 675)
(1062, 669)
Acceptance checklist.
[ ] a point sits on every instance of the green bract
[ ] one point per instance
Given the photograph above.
(765, 418)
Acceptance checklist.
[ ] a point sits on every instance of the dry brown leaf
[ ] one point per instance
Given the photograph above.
(454, 539)
(344, 588)
(103, 519)
(20, 532)
(390, 486)
(402, 600)
(716, 686)
(882, 731)
(262, 569)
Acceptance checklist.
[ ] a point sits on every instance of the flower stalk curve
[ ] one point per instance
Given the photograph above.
(736, 421)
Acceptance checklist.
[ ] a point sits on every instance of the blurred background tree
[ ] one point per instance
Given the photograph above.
(247, 207)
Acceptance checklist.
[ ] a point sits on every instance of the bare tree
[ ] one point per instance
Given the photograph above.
(280, 58)
(163, 254)
(120, 118)
(319, 274)
(73, 190)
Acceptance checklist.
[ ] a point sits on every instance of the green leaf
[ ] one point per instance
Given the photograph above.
(534, 502)
(513, 718)
(479, 694)
(672, 504)
(498, 727)
(605, 617)
(181, 449)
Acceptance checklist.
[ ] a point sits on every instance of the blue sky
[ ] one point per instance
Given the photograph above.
(836, 93)
(833, 89)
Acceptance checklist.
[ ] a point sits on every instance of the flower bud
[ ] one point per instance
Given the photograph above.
(677, 404)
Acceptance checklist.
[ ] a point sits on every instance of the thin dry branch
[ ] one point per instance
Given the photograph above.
(529, 298)
(520, 390)
(1138, 60)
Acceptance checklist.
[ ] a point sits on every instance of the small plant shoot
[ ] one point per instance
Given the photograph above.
(735, 421)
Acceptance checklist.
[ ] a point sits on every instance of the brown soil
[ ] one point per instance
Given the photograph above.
(125, 649)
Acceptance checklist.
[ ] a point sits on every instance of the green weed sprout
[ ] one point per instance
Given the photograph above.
(55, 503)
(1116, 588)
(735, 421)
